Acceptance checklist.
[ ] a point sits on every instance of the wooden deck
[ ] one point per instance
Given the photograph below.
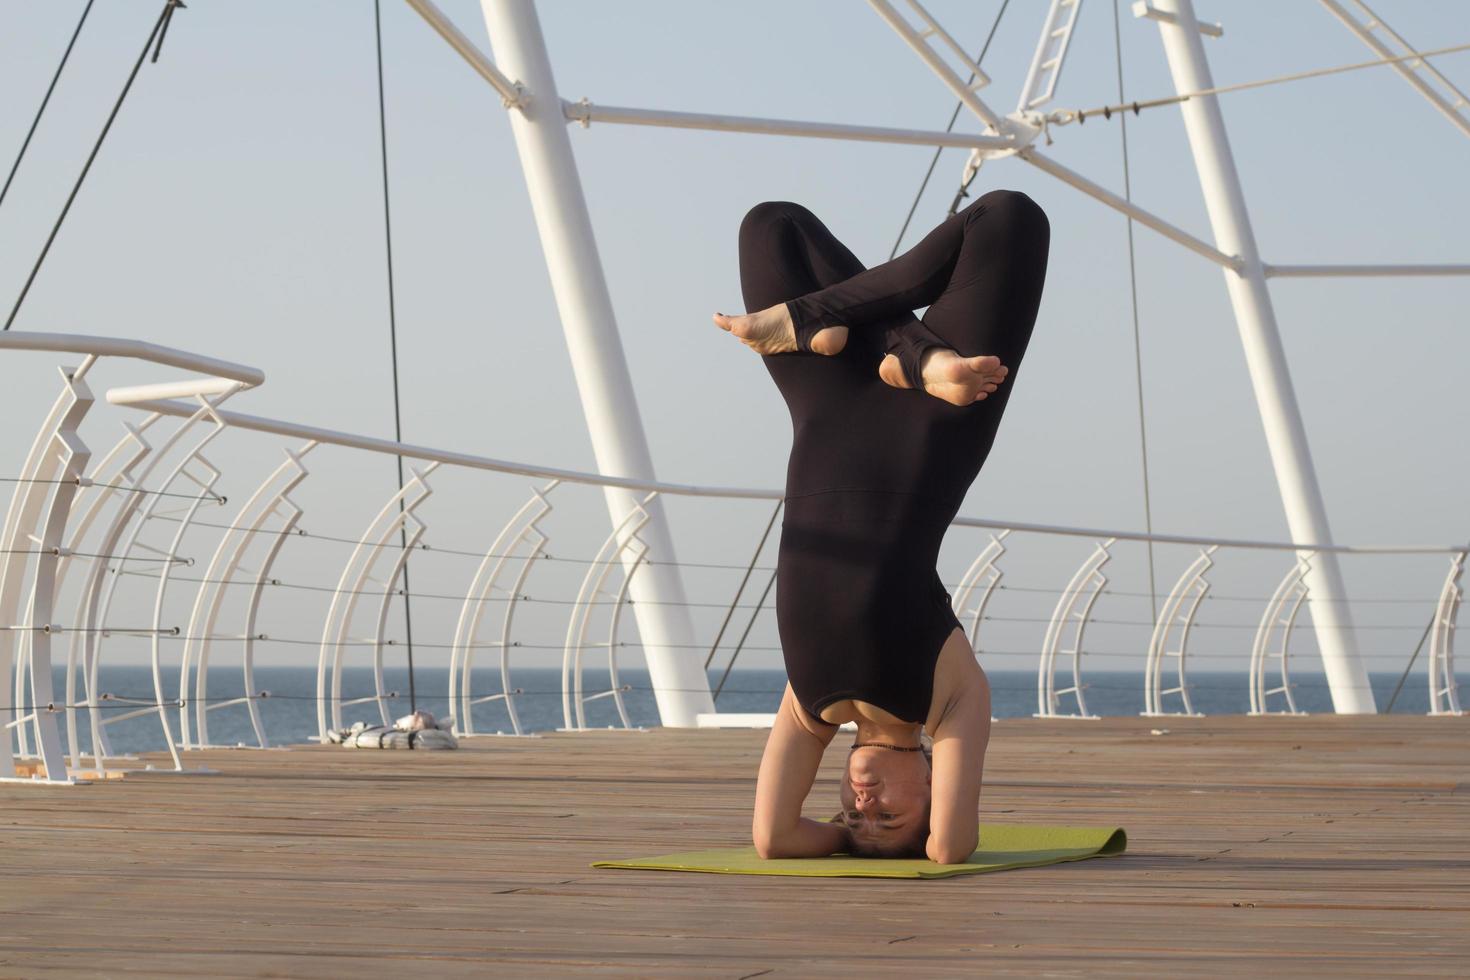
(1263, 846)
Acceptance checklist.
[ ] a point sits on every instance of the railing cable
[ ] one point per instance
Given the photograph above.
(85, 484)
(111, 701)
(740, 590)
(393, 340)
(1410, 665)
(924, 184)
(695, 604)
(159, 26)
(1080, 115)
(1139, 654)
(760, 604)
(1148, 512)
(45, 100)
(1429, 626)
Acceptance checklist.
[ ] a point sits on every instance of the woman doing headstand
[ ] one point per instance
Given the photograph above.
(892, 418)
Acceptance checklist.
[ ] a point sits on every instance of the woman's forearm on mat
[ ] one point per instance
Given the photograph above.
(807, 838)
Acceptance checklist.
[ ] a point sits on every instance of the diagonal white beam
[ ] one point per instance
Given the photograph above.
(1409, 69)
(937, 64)
(512, 94)
(1039, 160)
(586, 113)
(1051, 54)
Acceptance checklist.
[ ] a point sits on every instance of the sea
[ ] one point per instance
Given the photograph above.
(289, 712)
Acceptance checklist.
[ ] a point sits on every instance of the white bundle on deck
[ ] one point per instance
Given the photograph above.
(416, 731)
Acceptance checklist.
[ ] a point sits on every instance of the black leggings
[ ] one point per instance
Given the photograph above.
(876, 473)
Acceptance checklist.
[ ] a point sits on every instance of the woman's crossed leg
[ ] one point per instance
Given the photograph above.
(980, 272)
(787, 253)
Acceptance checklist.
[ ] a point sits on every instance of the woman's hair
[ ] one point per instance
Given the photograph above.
(918, 847)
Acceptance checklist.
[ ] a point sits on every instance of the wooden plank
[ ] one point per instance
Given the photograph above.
(1272, 846)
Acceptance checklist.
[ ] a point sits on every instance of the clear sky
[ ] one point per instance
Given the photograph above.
(236, 210)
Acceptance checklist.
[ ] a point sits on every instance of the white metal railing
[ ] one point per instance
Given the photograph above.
(37, 549)
(75, 530)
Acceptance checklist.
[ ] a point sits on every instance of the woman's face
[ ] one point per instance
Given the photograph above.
(885, 800)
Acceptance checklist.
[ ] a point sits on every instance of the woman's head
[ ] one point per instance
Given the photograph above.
(885, 802)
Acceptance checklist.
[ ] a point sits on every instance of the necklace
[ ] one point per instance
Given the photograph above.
(884, 745)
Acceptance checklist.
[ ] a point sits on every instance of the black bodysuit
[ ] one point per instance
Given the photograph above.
(877, 473)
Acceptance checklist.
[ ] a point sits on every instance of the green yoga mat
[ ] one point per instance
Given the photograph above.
(1002, 846)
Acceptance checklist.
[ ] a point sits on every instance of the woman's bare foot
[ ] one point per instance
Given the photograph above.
(770, 331)
(950, 377)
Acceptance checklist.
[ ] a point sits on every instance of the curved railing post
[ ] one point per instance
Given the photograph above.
(20, 542)
(374, 542)
(113, 474)
(522, 530)
(1444, 690)
(167, 557)
(1276, 625)
(1177, 614)
(1068, 623)
(270, 500)
(983, 575)
(624, 538)
(31, 548)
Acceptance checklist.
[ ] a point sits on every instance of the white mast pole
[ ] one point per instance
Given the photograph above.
(608, 400)
(1286, 437)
